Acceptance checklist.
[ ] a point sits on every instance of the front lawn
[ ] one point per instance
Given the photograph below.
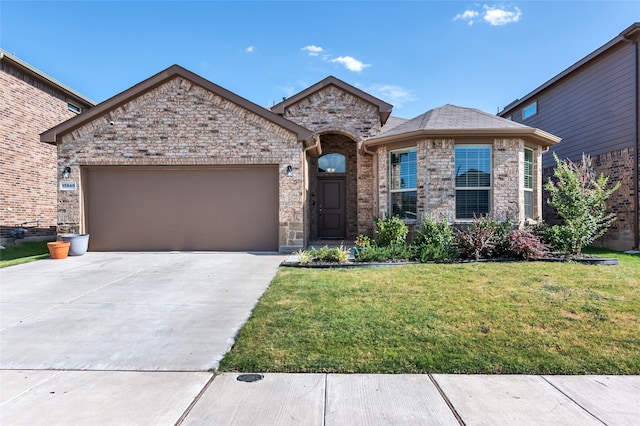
(521, 317)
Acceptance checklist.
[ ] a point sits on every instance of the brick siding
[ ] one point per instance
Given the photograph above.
(436, 178)
(181, 123)
(28, 173)
(344, 121)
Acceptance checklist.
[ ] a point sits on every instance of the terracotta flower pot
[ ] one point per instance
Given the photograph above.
(59, 249)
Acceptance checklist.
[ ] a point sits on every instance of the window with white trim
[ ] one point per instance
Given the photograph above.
(528, 183)
(473, 180)
(403, 183)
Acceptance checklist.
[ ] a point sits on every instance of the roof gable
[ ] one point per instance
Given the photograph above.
(41, 76)
(52, 135)
(384, 108)
(452, 120)
(623, 37)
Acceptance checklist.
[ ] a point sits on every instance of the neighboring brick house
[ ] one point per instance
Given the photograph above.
(179, 163)
(593, 106)
(30, 103)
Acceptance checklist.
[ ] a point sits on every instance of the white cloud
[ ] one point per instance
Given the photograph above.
(250, 49)
(496, 16)
(395, 95)
(467, 15)
(350, 63)
(493, 15)
(312, 50)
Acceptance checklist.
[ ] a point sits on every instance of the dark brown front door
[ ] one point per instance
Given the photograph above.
(331, 208)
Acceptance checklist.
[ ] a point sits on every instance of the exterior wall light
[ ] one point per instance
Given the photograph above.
(66, 172)
(289, 170)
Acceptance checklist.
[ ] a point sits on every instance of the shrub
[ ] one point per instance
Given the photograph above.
(579, 198)
(304, 256)
(362, 241)
(476, 239)
(525, 244)
(391, 231)
(485, 237)
(435, 241)
(386, 254)
(331, 255)
(556, 238)
(501, 244)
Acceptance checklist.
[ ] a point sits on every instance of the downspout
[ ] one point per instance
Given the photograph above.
(366, 151)
(636, 201)
(310, 147)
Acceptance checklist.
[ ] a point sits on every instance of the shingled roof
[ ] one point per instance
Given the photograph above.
(451, 120)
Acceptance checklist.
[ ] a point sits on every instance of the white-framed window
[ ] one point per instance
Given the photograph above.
(473, 180)
(530, 110)
(403, 170)
(528, 183)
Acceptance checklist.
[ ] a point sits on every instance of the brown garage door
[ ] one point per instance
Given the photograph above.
(199, 208)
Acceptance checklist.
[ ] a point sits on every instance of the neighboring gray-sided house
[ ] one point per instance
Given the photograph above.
(179, 163)
(30, 103)
(593, 106)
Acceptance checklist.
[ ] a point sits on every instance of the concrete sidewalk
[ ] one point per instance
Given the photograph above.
(36, 397)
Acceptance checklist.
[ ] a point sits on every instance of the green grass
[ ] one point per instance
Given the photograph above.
(23, 253)
(524, 318)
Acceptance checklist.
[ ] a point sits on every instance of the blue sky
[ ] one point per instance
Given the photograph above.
(416, 55)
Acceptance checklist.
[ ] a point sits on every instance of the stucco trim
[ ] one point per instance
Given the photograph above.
(53, 135)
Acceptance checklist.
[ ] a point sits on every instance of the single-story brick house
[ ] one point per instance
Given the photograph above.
(179, 163)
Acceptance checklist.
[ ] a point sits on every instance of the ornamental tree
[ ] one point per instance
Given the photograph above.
(579, 198)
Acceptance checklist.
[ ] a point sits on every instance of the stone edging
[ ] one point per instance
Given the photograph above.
(608, 261)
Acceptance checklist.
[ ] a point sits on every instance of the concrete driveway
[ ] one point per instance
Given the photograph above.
(128, 311)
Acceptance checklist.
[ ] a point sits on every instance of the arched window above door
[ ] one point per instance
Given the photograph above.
(332, 163)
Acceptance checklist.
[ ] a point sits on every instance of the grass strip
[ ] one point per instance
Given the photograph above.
(24, 252)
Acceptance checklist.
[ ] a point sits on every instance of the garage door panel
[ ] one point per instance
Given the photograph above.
(182, 209)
